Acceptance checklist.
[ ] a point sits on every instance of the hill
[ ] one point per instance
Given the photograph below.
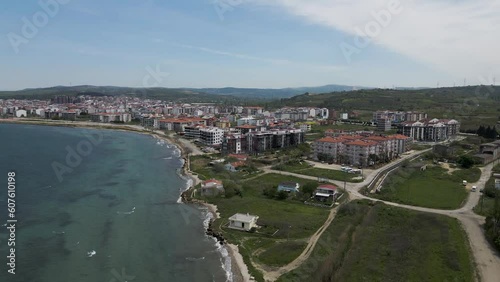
(269, 93)
(472, 105)
(168, 94)
(194, 94)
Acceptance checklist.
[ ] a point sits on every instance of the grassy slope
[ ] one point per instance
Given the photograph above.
(305, 169)
(383, 243)
(290, 219)
(433, 188)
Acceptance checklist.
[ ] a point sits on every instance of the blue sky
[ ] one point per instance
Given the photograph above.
(248, 43)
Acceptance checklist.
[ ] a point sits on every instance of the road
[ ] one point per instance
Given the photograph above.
(486, 257)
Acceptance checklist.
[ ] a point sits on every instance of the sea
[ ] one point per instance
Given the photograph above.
(101, 205)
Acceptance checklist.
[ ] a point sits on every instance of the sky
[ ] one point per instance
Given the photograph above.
(249, 43)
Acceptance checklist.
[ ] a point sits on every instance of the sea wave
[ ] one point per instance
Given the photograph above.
(195, 259)
(221, 249)
(129, 212)
(225, 261)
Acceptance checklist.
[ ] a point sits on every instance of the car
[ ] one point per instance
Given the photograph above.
(474, 188)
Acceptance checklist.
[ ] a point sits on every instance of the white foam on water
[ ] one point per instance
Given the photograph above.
(189, 183)
(225, 261)
(195, 259)
(221, 249)
(208, 217)
(129, 212)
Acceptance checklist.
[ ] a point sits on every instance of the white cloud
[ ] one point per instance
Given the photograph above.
(457, 36)
(260, 59)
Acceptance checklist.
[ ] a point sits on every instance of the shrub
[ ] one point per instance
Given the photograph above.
(465, 161)
(282, 195)
(270, 192)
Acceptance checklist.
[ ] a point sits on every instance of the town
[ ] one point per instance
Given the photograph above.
(249, 130)
(307, 163)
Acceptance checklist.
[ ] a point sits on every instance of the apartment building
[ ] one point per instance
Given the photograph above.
(109, 118)
(211, 136)
(399, 116)
(383, 124)
(361, 150)
(433, 130)
(260, 141)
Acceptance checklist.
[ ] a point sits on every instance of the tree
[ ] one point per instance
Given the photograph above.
(282, 195)
(270, 192)
(309, 188)
(465, 161)
(492, 225)
(218, 168)
(230, 188)
(481, 131)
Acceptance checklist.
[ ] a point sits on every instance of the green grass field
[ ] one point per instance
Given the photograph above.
(471, 175)
(280, 220)
(432, 188)
(282, 253)
(486, 205)
(368, 242)
(306, 169)
(200, 165)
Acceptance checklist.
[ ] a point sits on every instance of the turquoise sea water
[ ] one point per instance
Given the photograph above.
(120, 200)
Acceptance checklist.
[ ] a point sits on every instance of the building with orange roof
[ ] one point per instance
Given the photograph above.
(360, 150)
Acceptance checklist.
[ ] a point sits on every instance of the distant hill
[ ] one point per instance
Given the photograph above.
(168, 94)
(188, 94)
(270, 93)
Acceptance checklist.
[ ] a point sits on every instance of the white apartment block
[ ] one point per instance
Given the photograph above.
(211, 136)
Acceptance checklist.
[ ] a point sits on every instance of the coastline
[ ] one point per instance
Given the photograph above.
(238, 267)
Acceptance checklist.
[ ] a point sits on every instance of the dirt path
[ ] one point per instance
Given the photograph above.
(274, 275)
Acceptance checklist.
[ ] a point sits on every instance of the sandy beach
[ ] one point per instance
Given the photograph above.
(238, 267)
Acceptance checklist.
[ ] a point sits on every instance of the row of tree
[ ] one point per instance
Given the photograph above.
(492, 225)
(487, 132)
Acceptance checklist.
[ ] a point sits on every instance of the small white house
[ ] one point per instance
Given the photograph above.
(289, 186)
(243, 221)
(233, 167)
(211, 187)
(21, 113)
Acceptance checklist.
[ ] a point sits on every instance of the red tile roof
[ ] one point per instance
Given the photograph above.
(330, 140)
(247, 126)
(327, 186)
(362, 143)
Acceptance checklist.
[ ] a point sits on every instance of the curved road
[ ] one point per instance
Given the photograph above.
(486, 257)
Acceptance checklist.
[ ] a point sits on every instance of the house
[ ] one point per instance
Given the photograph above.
(497, 180)
(21, 113)
(239, 157)
(243, 221)
(288, 187)
(488, 152)
(211, 187)
(325, 191)
(233, 167)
